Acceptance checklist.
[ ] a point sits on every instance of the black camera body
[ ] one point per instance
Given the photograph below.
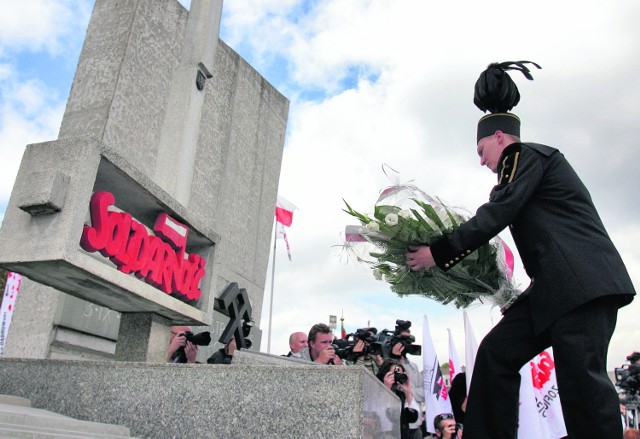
(344, 346)
(368, 335)
(388, 339)
(407, 342)
(201, 339)
(628, 378)
(400, 378)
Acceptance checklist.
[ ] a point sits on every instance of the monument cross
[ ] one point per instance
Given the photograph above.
(181, 126)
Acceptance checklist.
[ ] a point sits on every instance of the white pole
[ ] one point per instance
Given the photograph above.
(273, 275)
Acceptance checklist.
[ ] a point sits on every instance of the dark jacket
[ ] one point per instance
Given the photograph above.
(563, 244)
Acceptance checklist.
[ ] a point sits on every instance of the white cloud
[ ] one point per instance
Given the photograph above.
(41, 24)
(29, 113)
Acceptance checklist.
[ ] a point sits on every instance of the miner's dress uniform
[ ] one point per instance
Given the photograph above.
(578, 282)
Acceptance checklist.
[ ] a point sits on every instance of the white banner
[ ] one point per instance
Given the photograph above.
(454, 362)
(436, 396)
(8, 303)
(540, 410)
(470, 349)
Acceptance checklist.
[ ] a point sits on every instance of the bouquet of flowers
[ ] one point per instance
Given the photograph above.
(403, 216)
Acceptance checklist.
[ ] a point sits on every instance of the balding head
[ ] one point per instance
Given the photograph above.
(297, 342)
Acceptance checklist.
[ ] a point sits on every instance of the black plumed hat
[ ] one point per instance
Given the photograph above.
(496, 92)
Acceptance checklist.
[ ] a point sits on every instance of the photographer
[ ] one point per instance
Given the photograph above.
(368, 359)
(363, 350)
(181, 350)
(394, 377)
(628, 380)
(399, 350)
(446, 427)
(320, 348)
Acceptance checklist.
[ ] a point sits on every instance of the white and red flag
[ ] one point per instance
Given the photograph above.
(284, 218)
(284, 211)
(454, 361)
(540, 411)
(436, 396)
(14, 280)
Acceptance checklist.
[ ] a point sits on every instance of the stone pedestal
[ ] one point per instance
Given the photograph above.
(258, 396)
(143, 337)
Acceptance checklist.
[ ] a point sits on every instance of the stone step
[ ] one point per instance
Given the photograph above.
(9, 431)
(23, 419)
(15, 400)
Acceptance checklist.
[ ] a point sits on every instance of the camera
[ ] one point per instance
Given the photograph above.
(388, 339)
(202, 339)
(344, 346)
(246, 330)
(628, 377)
(400, 378)
(402, 325)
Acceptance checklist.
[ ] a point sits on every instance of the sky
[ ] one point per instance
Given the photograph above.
(384, 82)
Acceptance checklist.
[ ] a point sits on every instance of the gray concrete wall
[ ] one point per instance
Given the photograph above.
(119, 96)
(279, 400)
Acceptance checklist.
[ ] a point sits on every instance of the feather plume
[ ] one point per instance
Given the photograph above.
(495, 91)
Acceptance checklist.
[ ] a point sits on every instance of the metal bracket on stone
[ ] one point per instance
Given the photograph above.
(234, 303)
(202, 75)
(45, 194)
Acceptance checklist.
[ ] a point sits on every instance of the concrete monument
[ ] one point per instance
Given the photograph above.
(169, 121)
(154, 206)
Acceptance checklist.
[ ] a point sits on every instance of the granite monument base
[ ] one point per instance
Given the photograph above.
(258, 396)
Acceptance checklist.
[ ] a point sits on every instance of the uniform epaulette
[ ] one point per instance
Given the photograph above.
(509, 164)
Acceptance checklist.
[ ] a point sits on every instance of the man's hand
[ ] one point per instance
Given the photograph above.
(359, 347)
(231, 346)
(397, 349)
(191, 352)
(327, 355)
(178, 341)
(420, 257)
(389, 380)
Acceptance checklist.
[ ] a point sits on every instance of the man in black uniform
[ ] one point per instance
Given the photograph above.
(578, 280)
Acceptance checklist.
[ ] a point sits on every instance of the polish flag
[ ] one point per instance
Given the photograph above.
(284, 217)
(284, 211)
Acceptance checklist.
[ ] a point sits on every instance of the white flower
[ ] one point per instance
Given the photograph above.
(391, 219)
(377, 274)
(405, 213)
(373, 226)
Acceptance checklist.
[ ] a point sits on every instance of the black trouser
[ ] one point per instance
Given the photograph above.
(580, 340)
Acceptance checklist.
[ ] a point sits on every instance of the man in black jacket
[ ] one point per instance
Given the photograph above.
(578, 280)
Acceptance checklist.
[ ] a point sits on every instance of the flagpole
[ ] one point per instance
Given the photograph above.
(273, 273)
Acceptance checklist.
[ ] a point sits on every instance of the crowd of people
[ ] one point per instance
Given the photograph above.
(387, 360)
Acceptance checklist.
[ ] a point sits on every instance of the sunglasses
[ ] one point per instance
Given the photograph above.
(442, 417)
